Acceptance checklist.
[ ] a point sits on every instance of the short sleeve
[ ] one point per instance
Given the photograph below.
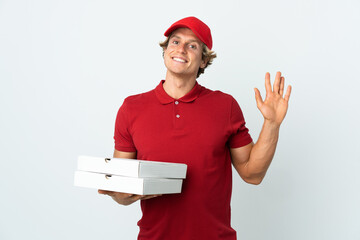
(240, 134)
(122, 135)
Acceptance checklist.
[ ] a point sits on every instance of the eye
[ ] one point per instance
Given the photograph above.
(175, 42)
(193, 46)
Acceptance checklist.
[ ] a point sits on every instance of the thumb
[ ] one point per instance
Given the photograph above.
(258, 98)
(105, 192)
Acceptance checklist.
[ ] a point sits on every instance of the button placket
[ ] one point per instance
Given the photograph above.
(177, 114)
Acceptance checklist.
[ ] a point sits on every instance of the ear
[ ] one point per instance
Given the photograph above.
(203, 63)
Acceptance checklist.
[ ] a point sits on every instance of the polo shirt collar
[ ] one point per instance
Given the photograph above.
(164, 98)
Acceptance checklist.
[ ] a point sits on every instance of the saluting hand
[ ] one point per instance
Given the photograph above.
(275, 106)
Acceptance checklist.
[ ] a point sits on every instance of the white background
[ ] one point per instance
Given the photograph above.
(66, 66)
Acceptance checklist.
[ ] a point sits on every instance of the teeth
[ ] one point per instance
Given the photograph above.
(178, 59)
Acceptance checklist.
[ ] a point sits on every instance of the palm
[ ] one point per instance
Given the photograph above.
(275, 106)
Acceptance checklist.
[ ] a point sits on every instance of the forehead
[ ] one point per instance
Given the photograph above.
(185, 33)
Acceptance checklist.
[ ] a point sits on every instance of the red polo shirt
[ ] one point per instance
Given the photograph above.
(197, 130)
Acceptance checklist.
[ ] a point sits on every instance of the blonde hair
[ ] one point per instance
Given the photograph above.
(207, 55)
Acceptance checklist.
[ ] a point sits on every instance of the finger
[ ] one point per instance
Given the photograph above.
(267, 83)
(127, 198)
(134, 198)
(135, 195)
(277, 82)
(282, 84)
(258, 97)
(151, 196)
(287, 94)
(100, 191)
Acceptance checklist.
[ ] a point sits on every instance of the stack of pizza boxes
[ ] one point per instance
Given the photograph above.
(140, 177)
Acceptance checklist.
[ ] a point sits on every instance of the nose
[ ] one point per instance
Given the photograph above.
(181, 48)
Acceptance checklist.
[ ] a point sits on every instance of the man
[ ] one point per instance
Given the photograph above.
(181, 121)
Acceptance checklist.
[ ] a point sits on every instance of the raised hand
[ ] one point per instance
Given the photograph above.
(275, 105)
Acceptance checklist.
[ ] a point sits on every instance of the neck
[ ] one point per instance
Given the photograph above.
(178, 86)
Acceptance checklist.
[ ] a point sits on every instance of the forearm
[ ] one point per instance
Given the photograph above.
(263, 151)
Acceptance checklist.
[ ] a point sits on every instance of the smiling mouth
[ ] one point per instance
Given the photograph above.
(179, 60)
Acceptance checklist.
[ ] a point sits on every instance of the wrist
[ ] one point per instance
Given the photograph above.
(271, 124)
